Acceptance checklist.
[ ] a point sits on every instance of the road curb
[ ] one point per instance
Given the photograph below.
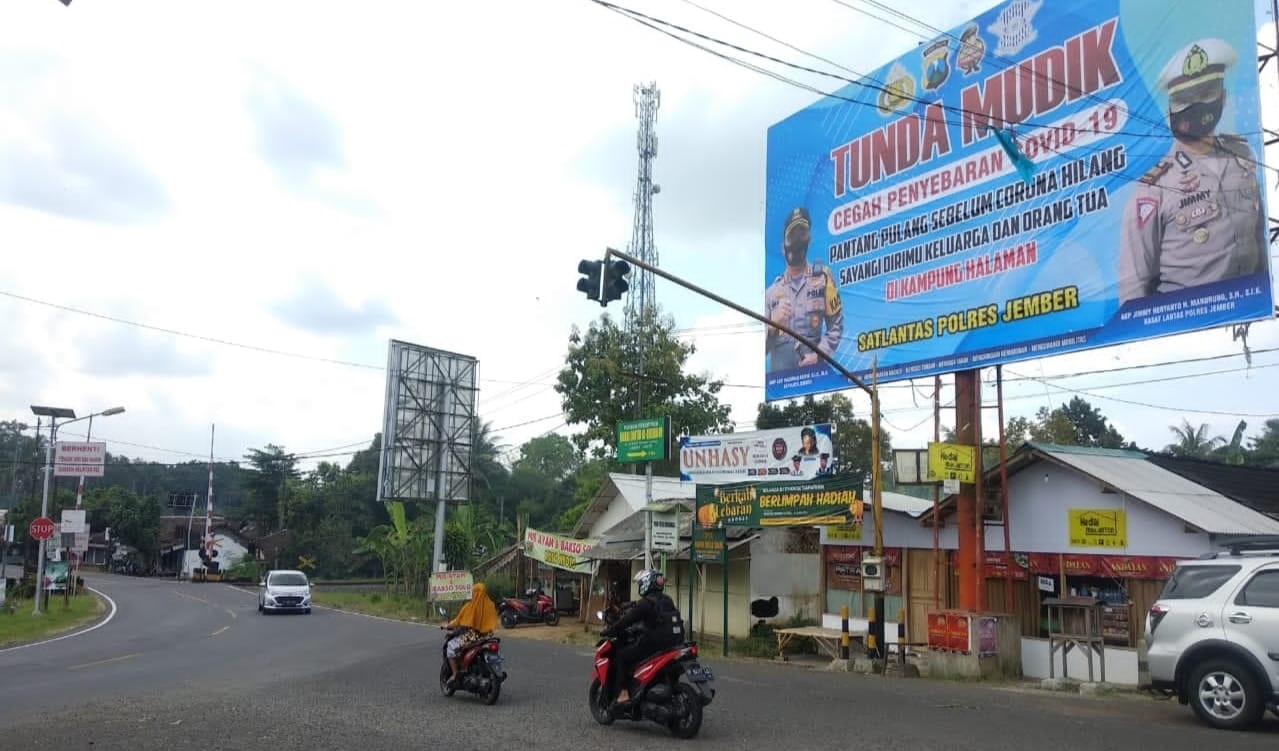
(94, 626)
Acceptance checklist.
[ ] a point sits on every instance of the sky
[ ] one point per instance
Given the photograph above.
(217, 215)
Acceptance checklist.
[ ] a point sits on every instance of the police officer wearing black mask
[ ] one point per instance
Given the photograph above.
(1195, 217)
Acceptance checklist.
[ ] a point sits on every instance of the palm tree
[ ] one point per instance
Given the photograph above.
(1192, 442)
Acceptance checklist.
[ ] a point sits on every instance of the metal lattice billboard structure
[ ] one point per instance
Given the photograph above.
(428, 424)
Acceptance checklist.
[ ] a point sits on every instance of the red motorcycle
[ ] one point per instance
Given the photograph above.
(538, 608)
(669, 688)
(480, 672)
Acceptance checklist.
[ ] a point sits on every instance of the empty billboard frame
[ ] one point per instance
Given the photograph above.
(428, 424)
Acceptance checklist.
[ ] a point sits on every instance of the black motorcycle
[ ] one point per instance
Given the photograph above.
(481, 670)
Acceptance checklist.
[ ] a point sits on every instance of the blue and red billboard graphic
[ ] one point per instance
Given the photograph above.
(1049, 177)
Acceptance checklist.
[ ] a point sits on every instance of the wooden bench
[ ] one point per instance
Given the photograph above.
(828, 639)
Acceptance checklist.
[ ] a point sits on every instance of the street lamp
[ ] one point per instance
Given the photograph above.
(68, 416)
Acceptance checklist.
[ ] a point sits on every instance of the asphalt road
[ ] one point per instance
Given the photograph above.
(195, 666)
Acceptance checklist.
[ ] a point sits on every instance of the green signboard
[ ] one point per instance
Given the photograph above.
(643, 440)
(833, 500)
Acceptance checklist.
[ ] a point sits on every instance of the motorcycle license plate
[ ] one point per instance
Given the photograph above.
(699, 674)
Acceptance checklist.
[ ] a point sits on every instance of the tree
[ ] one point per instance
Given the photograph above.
(1075, 423)
(850, 435)
(1193, 442)
(266, 485)
(1264, 450)
(134, 520)
(551, 455)
(606, 380)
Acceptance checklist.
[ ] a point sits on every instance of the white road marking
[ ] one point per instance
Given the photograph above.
(81, 632)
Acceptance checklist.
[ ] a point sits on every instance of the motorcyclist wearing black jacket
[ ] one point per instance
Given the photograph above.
(663, 628)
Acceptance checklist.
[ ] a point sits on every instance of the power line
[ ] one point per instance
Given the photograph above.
(866, 82)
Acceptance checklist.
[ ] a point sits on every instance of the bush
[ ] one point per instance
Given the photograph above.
(500, 586)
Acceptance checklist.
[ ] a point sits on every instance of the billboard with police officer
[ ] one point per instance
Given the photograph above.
(1049, 177)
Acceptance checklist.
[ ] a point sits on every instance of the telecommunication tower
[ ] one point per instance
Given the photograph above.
(642, 296)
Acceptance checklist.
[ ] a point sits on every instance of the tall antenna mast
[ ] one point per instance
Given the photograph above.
(642, 297)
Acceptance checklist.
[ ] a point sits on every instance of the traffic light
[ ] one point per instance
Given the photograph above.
(590, 283)
(615, 273)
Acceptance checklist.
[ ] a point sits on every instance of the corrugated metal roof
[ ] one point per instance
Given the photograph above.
(1129, 472)
(630, 488)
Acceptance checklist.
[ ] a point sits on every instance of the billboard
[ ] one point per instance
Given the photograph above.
(428, 424)
(902, 234)
(797, 453)
(830, 500)
(559, 551)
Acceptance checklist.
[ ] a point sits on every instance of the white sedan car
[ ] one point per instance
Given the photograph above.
(284, 591)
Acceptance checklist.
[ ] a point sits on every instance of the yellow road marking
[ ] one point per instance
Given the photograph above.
(215, 633)
(104, 662)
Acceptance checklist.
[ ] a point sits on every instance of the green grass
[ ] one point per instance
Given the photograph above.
(18, 625)
(398, 606)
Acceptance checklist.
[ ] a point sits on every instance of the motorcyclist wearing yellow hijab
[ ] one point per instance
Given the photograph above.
(475, 620)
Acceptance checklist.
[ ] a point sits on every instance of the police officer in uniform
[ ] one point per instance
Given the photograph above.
(805, 298)
(1195, 217)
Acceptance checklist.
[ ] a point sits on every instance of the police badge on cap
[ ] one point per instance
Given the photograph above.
(1194, 79)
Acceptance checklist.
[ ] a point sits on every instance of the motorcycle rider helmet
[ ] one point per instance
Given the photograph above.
(650, 581)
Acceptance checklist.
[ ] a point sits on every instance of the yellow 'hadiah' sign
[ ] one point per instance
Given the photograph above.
(1098, 528)
(951, 461)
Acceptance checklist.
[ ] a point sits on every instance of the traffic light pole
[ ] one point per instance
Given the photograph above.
(877, 504)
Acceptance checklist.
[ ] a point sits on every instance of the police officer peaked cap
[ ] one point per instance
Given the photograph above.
(1197, 71)
(798, 218)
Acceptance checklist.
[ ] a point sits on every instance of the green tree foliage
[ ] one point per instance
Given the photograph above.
(267, 485)
(1264, 448)
(605, 381)
(1193, 442)
(1075, 423)
(133, 519)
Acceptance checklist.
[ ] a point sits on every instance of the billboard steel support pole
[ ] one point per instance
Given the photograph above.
(968, 517)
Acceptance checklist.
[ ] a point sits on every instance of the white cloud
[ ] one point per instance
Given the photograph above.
(314, 179)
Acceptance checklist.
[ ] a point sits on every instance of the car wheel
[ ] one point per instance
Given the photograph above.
(260, 608)
(1225, 695)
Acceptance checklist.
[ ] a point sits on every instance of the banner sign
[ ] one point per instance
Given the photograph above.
(1098, 528)
(665, 531)
(802, 452)
(451, 585)
(1013, 189)
(79, 459)
(643, 440)
(952, 461)
(832, 500)
(709, 544)
(1076, 564)
(73, 520)
(559, 551)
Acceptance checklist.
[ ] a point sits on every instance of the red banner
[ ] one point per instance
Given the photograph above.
(1076, 564)
(853, 554)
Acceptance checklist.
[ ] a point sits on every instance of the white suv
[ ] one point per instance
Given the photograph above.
(283, 591)
(1212, 637)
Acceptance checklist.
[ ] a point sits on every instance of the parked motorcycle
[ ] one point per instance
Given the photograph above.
(670, 688)
(538, 608)
(481, 671)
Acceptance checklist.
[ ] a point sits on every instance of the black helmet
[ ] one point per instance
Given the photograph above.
(650, 581)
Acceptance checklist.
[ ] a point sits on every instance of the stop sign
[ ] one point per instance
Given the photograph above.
(41, 528)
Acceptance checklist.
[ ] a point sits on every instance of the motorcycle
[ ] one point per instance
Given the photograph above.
(538, 608)
(670, 688)
(481, 670)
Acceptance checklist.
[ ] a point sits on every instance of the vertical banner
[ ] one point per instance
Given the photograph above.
(1048, 177)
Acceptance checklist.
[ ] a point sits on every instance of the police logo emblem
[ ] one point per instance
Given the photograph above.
(899, 91)
(972, 48)
(936, 65)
